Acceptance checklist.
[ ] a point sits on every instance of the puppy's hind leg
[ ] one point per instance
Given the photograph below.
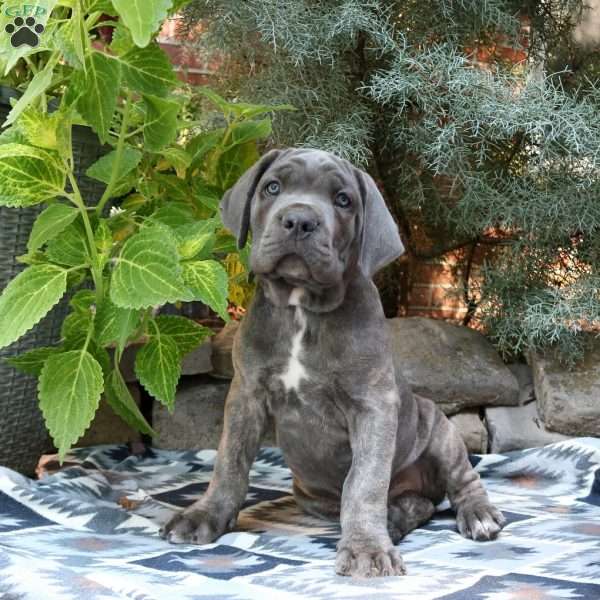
(476, 517)
(406, 512)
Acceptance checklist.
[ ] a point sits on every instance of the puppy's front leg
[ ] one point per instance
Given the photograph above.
(217, 510)
(365, 548)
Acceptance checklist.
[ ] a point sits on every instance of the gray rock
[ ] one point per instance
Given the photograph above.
(517, 428)
(472, 430)
(108, 428)
(454, 366)
(198, 361)
(524, 376)
(197, 421)
(222, 344)
(569, 400)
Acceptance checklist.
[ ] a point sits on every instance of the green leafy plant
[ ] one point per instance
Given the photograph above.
(161, 241)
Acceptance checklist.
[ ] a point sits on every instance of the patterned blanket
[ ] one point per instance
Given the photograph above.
(89, 531)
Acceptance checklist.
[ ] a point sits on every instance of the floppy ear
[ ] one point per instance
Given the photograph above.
(236, 203)
(380, 241)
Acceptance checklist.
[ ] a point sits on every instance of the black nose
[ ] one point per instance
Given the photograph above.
(299, 223)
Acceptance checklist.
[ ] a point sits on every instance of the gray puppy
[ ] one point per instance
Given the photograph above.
(315, 353)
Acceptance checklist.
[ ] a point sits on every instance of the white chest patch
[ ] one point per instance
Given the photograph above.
(295, 371)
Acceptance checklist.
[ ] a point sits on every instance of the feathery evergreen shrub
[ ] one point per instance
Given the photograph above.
(467, 154)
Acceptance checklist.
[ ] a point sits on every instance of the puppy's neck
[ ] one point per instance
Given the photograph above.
(282, 294)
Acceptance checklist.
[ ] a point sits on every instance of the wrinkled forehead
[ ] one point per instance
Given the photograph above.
(313, 168)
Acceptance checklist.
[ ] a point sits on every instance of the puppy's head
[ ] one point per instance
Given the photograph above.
(313, 216)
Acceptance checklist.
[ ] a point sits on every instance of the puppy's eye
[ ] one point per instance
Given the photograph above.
(342, 200)
(272, 188)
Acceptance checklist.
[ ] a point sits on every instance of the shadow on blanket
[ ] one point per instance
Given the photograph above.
(90, 531)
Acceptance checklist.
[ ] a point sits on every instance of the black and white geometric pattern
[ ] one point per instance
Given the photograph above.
(90, 532)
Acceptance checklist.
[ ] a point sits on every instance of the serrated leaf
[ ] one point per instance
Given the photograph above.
(147, 271)
(173, 215)
(148, 71)
(98, 88)
(193, 238)
(29, 175)
(199, 146)
(103, 167)
(33, 361)
(186, 333)
(69, 392)
(174, 157)
(39, 128)
(49, 223)
(207, 195)
(121, 39)
(142, 17)
(115, 324)
(28, 298)
(247, 131)
(207, 281)
(158, 368)
(233, 163)
(70, 247)
(82, 300)
(160, 123)
(37, 86)
(74, 328)
(103, 239)
(119, 398)
(170, 188)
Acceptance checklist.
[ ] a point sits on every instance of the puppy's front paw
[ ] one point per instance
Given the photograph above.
(191, 526)
(358, 560)
(479, 521)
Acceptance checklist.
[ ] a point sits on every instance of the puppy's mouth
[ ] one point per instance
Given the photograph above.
(294, 270)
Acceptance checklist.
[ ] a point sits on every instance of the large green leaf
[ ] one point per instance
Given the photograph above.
(50, 222)
(98, 88)
(69, 392)
(142, 17)
(70, 247)
(119, 398)
(115, 324)
(158, 368)
(33, 361)
(28, 298)
(148, 70)
(247, 131)
(233, 163)
(207, 281)
(174, 215)
(160, 124)
(29, 175)
(103, 167)
(187, 334)
(147, 271)
(40, 128)
(195, 237)
(37, 86)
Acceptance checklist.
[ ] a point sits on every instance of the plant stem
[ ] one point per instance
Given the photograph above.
(118, 156)
(78, 201)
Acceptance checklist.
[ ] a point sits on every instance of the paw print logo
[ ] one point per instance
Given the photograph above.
(24, 32)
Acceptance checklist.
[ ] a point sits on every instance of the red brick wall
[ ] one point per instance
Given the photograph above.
(436, 286)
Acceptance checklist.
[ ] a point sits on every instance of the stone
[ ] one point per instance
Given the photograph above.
(198, 361)
(524, 376)
(108, 428)
(454, 366)
(222, 345)
(197, 420)
(472, 430)
(517, 428)
(569, 400)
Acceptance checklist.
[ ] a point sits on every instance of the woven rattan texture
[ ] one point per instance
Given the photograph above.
(23, 436)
